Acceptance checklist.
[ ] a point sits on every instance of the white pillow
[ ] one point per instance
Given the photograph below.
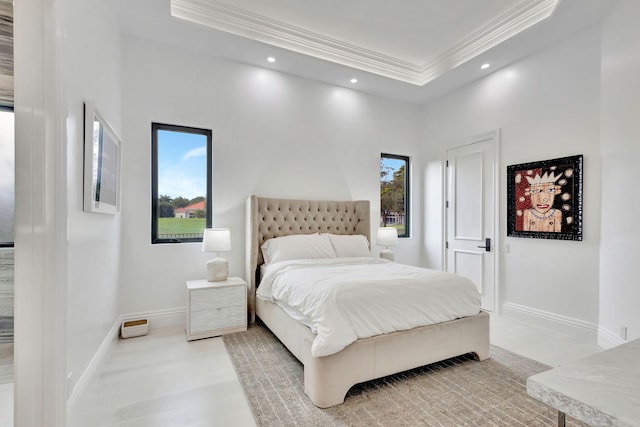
(349, 245)
(297, 246)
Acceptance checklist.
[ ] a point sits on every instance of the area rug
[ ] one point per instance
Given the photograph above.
(455, 392)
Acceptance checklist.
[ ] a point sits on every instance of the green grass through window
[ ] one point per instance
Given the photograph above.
(181, 227)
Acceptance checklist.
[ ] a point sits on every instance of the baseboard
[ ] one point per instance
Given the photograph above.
(608, 339)
(157, 319)
(566, 324)
(160, 318)
(95, 363)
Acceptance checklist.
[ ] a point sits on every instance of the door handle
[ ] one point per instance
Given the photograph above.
(487, 245)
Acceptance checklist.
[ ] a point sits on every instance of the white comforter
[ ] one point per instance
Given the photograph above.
(344, 299)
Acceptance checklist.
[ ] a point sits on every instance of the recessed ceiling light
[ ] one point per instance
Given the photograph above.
(271, 59)
(354, 80)
(485, 66)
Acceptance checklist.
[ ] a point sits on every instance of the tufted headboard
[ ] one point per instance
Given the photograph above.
(268, 218)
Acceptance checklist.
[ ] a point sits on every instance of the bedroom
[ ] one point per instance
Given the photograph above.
(566, 99)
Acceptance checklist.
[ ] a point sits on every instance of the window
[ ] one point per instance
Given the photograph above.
(7, 178)
(181, 178)
(394, 193)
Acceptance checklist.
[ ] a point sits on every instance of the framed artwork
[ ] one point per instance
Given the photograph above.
(544, 199)
(101, 164)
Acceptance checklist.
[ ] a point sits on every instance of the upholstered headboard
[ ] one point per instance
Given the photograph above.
(268, 218)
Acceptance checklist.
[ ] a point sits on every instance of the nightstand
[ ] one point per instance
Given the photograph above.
(216, 308)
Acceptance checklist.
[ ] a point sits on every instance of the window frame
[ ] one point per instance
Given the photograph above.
(155, 127)
(11, 244)
(407, 194)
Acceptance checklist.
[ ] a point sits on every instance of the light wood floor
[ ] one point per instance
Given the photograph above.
(551, 347)
(163, 380)
(6, 405)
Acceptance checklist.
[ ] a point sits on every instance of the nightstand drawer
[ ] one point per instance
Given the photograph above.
(216, 308)
(220, 318)
(204, 299)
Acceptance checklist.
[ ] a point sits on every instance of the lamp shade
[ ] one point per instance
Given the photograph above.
(216, 240)
(387, 236)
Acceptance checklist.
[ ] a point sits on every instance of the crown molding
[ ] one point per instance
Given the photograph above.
(231, 19)
(516, 20)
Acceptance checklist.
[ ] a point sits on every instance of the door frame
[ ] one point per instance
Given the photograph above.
(458, 143)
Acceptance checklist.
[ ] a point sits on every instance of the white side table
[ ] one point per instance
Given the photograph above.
(216, 308)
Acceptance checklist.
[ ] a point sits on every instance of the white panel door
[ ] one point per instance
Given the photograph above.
(471, 210)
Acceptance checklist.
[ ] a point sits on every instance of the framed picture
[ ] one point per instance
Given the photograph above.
(101, 164)
(544, 199)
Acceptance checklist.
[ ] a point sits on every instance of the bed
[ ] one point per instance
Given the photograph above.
(327, 379)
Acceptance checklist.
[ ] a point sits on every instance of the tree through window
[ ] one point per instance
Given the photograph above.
(394, 192)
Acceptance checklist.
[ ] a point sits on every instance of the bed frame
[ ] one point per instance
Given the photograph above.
(327, 379)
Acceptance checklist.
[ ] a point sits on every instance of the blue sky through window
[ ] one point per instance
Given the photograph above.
(182, 164)
(391, 165)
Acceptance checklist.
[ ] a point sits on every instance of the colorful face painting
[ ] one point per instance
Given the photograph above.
(545, 199)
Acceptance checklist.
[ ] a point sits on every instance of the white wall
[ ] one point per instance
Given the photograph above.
(40, 302)
(547, 106)
(92, 61)
(273, 135)
(620, 246)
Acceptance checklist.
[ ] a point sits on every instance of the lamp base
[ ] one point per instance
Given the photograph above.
(217, 270)
(387, 254)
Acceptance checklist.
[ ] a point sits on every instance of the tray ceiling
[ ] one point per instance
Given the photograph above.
(413, 43)
(410, 50)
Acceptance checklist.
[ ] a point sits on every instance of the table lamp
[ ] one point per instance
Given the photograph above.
(217, 240)
(387, 236)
